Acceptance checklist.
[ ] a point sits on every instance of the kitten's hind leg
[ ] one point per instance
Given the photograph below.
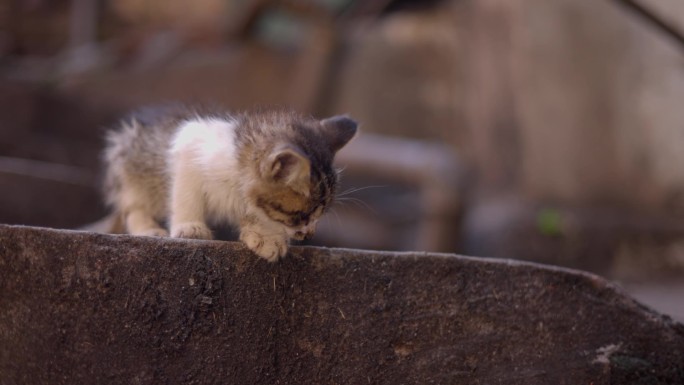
(139, 222)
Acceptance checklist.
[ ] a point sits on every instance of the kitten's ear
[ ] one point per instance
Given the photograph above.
(289, 165)
(338, 131)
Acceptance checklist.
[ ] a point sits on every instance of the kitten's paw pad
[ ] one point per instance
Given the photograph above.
(192, 230)
(155, 232)
(269, 248)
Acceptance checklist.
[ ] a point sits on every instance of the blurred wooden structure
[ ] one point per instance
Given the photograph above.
(571, 103)
(433, 169)
(643, 9)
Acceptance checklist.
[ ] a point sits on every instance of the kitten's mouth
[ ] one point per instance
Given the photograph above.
(301, 235)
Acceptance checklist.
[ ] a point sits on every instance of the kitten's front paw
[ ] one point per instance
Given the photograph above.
(155, 232)
(269, 248)
(192, 230)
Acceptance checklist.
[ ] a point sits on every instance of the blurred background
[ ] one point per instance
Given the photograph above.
(541, 130)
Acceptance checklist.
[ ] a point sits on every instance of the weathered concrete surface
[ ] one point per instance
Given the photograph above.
(81, 308)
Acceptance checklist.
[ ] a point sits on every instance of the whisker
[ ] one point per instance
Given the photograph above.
(358, 202)
(357, 189)
(361, 203)
(339, 222)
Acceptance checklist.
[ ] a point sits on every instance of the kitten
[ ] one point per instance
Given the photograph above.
(270, 173)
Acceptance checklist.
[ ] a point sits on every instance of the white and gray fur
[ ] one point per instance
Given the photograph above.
(268, 172)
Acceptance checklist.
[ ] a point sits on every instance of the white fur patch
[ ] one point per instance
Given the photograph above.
(209, 143)
(210, 140)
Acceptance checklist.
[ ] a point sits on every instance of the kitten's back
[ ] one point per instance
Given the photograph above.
(136, 151)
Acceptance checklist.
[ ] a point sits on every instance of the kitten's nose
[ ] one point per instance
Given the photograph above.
(310, 229)
(304, 235)
(309, 234)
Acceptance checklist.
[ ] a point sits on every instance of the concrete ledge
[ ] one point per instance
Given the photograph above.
(83, 308)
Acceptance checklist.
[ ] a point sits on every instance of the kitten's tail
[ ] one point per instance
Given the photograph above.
(111, 224)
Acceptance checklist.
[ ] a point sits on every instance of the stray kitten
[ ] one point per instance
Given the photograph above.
(270, 173)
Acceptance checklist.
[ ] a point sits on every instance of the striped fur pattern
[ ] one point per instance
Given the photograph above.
(172, 170)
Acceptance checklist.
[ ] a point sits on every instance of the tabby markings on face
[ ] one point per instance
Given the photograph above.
(298, 212)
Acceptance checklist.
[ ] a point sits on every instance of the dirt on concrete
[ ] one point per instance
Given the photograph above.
(84, 308)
